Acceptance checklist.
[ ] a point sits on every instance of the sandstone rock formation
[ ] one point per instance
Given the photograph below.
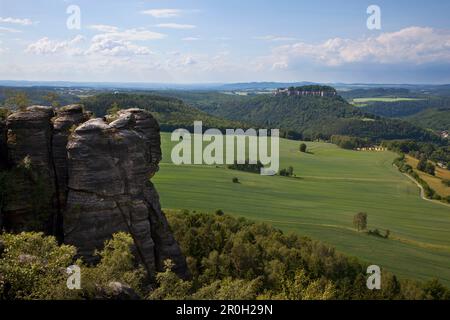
(32, 202)
(97, 175)
(66, 120)
(3, 147)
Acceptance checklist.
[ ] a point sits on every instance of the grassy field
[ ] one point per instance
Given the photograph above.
(363, 102)
(435, 182)
(331, 186)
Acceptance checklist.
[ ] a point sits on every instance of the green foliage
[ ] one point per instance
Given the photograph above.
(301, 287)
(303, 147)
(421, 150)
(233, 258)
(235, 180)
(230, 289)
(33, 266)
(289, 172)
(360, 221)
(53, 99)
(434, 290)
(229, 259)
(247, 167)
(4, 112)
(171, 113)
(117, 264)
(38, 96)
(170, 286)
(18, 100)
(305, 117)
(405, 168)
(350, 143)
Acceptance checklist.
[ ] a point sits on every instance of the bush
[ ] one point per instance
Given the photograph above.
(360, 221)
(235, 180)
(303, 147)
(289, 172)
(33, 266)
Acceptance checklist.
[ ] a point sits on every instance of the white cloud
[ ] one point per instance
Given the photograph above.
(22, 22)
(114, 47)
(113, 43)
(162, 13)
(416, 45)
(275, 38)
(191, 39)
(103, 28)
(9, 30)
(132, 35)
(175, 26)
(46, 46)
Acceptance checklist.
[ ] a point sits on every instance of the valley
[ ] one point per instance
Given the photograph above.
(330, 187)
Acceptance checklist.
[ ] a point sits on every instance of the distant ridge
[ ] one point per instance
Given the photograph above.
(239, 86)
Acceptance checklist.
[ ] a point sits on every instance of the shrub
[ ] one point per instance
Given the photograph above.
(303, 147)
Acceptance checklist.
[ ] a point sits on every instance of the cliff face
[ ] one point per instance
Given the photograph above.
(3, 147)
(97, 175)
(31, 202)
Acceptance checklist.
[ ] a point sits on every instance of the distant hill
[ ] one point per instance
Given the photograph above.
(307, 117)
(436, 119)
(171, 113)
(430, 112)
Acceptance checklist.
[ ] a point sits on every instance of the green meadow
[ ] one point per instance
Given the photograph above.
(363, 102)
(330, 187)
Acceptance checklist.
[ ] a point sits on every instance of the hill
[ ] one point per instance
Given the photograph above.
(171, 113)
(305, 116)
(436, 119)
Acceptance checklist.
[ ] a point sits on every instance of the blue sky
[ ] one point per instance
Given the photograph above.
(225, 41)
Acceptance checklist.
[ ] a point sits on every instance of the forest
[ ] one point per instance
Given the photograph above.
(228, 258)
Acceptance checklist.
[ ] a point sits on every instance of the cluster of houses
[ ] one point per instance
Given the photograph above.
(373, 148)
(302, 92)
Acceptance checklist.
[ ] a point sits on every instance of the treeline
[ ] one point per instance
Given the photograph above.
(13, 97)
(375, 93)
(421, 150)
(171, 113)
(403, 167)
(305, 117)
(313, 88)
(399, 109)
(247, 167)
(228, 258)
(347, 142)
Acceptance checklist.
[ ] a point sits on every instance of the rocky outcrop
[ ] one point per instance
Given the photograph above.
(66, 120)
(3, 146)
(31, 202)
(98, 176)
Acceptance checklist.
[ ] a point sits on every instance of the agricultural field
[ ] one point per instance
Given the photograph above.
(435, 182)
(362, 102)
(330, 187)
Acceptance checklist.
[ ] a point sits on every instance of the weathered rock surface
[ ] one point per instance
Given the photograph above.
(96, 174)
(31, 199)
(67, 119)
(3, 146)
(109, 189)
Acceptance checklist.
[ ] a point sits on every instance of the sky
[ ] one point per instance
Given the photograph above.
(212, 41)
